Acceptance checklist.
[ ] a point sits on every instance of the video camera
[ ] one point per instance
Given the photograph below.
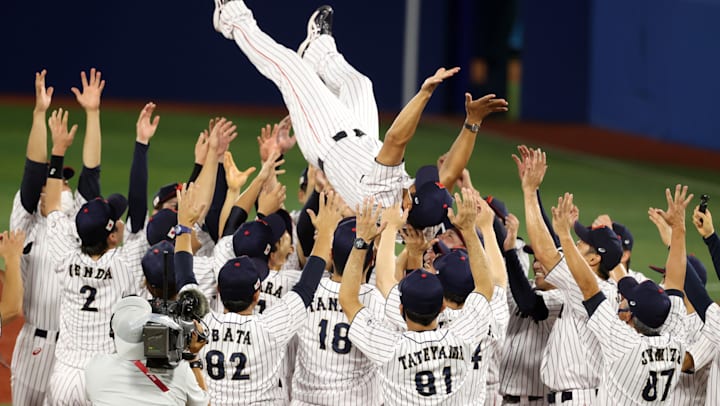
(169, 331)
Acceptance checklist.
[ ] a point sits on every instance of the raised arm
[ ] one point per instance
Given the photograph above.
(394, 219)
(62, 139)
(564, 216)
(403, 128)
(235, 180)
(137, 195)
(89, 99)
(365, 228)
(462, 148)
(704, 225)
(190, 207)
(35, 170)
(465, 222)
(675, 217)
(11, 247)
(532, 165)
(485, 222)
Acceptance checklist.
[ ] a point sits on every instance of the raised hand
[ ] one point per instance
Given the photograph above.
(89, 99)
(267, 141)
(703, 222)
(477, 110)
(415, 240)
(43, 96)
(284, 140)
(12, 243)
(145, 126)
(431, 83)
(271, 199)
(189, 203)
(512, 225)
(221, 135)
(62, 138)
(201, 147)
(234, 178)
(485, 214)
(367, 217)
(394, 216)
(464, 220)
(564, 214)
(531, 168)
(663, 227)
(602, 220)
(269, 167)
(677, 203)
(329, 212)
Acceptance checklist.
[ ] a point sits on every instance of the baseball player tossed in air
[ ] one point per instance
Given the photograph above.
(34, 353)
(642, 357)
(92, 276)
(245, 351)
(333, 109)
(424, 365)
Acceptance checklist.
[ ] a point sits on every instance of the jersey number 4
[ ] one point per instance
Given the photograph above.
(425, 382)
(215, 361)
(650, 392)
(340, 342)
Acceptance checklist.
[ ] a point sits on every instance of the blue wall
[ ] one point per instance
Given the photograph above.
(162, 49)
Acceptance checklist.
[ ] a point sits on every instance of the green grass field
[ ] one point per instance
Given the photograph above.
(622, 189)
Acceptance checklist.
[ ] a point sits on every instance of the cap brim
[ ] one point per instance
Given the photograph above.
(118, 205)
(626, 287)
(261, 266)
(277, 225)
(657, 269)
(582, 232)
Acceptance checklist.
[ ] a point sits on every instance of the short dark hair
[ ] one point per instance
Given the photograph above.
(236, 306)
(604, 272)
(423, 319)
(98, 248)
(158, 292)
(454, 297)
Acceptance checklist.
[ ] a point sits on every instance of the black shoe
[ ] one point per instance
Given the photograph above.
(320, 23)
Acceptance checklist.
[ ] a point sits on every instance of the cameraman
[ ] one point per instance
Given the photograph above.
(122, 378)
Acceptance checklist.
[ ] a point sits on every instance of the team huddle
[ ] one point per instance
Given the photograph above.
(322, 306)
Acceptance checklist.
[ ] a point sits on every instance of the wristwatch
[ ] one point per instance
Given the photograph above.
(360, 244)
(472, 127)
(196, 364)
(181, 229)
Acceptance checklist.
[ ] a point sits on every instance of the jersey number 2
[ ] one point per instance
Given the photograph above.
(90, 298)
(650, 392)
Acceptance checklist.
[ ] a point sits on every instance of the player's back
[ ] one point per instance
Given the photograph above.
(274, 287)
(244, 353)
(330, 370)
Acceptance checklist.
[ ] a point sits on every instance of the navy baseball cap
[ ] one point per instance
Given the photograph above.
(96, 218)
(342, 244)
(604, 240)
(626, 238)
(161, 226)
(287, 220)
(421, 292)
(431, 200)
(453, 270)
(692, 261)
(647, 301)
(153, 265)
(257, 238)
(165, 193)
(498, 207)
(238, 280)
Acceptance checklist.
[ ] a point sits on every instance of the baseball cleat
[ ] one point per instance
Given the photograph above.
(320, 23)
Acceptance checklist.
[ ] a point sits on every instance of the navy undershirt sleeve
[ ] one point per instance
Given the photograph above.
(713, 243)
(195, 173)
(89, 183)
(310, 278)
(237, 216)
(212, 219)
(34, 177)
(184, 274)
(305, 229)
(592, 304)
(137, 194)
(529, 302)
(696, 293)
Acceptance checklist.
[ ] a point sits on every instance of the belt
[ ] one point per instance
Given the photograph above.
(564, 396)
(517, 399)
(44, 333)
(337, 137)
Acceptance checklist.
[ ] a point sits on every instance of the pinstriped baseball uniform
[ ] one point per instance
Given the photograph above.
(330, 370)
(713, 390)
(524, 346)
(327, 129)
(34, 352)
(205, 276)
(428, 367)
(572, 358)
(89, 289)
(711, 332)
(501, 314)
(638, 369)
(691, 388)
(244, 354)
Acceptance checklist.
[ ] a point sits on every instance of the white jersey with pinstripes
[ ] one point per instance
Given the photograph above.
(692, 387)
(89, 289)
(320, 112)
(572, 358)
(501, 314)
(244, 354)
(524, 346)
(427, 367)
(711, 333)
(330, 369)
(638, 369)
